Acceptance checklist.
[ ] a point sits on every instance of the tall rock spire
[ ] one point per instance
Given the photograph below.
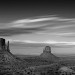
(8, 46)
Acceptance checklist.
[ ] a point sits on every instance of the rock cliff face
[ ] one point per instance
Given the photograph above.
(9, 63)
(3, 46)
(47, 54)
(47, 49)
(5, 54)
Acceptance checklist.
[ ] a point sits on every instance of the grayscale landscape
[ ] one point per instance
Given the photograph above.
(37, 37)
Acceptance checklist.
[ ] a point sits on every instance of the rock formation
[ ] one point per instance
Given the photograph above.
(8, 47)
(3, 46)
(5, 54)
(8, 62)
(47, 49)
(66, 71)
(47, 54)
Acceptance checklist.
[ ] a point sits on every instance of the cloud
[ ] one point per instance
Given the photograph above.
(37, 21)
(58, 43)
(51, 43)
(45, 24)
(46, 18)
(16, 31)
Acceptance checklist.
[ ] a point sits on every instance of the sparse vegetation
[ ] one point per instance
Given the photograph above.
(12, 65)
(23, 68)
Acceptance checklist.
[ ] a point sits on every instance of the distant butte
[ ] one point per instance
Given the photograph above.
(47, 54)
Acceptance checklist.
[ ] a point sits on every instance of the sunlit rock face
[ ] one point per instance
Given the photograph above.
(47, 54)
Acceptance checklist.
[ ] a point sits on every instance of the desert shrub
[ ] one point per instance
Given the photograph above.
(44, 70)
(19, 73)
(67, 63)
(6, 73)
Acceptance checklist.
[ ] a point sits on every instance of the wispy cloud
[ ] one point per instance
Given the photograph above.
(49, 42)
(38, 21)
(45, 24)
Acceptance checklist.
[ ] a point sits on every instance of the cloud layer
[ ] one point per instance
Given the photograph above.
(43, 25)
(30, 43)
(47, 24)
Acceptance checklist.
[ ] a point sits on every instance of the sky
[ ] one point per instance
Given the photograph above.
(37, 24)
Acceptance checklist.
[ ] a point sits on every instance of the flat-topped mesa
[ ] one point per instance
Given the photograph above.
(3, 46)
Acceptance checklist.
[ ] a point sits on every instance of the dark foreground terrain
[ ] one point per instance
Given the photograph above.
(35, 65)
(41, 66)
